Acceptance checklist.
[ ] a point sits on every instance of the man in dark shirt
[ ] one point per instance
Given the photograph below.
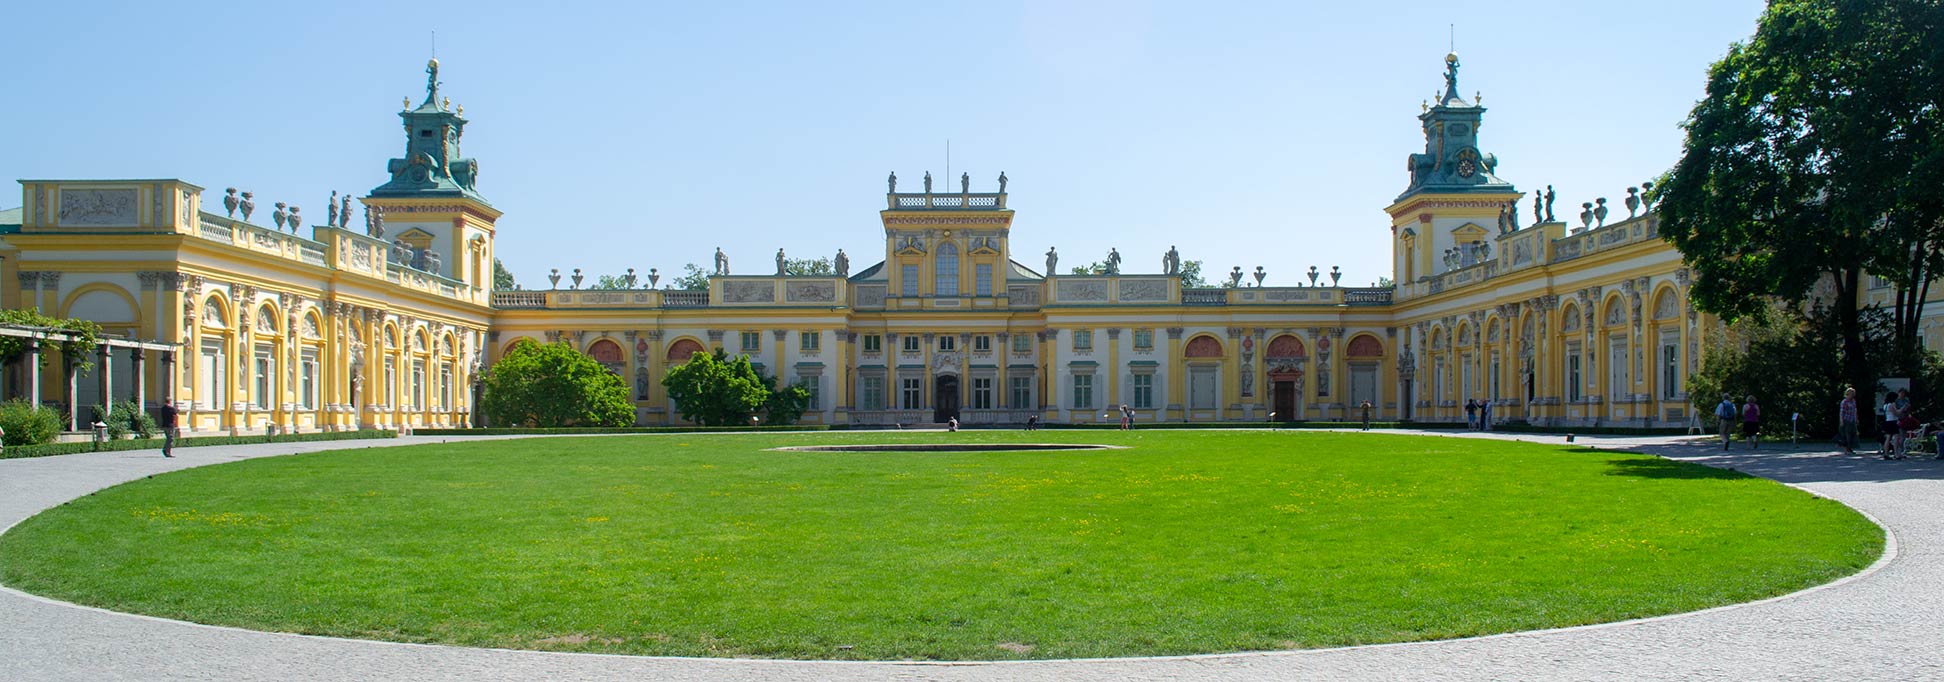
(168, 414)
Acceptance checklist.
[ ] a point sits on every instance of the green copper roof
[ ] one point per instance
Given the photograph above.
(1452, 161)
(432, 166)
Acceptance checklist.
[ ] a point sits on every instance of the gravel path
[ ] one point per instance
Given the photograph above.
(1887, 623)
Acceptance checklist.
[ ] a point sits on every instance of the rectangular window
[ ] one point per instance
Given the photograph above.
(445, 386)
(815, 388)
(909, 286)
(1670, 370)
(210, 388)
(982, 393)
(1022, 344)
(913, 394)
(1143, 339)
(910, 343)
(418, 384)
(1082, 391)
(1144, 391)
(752, 342)
(1082, 339)
(945, 275)
(263, 375)
(1493, 379)
(983, 278)
(873, 343)
(1022, 393)
(981, 344)
(307, 388)
(809, 341)
(391, 385)
(947, 343)
(873, 393)
(1572, 373)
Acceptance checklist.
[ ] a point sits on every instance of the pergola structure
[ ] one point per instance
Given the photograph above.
(105, 350)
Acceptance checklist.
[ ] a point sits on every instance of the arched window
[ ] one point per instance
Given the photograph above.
(945, 271)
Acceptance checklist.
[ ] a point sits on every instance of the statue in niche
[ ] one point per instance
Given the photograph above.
(1052, 260)
(1002, 182)
(928, 182)
(843, 264)
(721, 262)
(641, 383)
(1113, 261)
(965, 183)
(892, 182)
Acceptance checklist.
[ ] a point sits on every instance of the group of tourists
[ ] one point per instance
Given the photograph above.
(1478, 415)
(1902, 432)
(1750, 419)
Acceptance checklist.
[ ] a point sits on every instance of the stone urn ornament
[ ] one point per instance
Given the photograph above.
(230, 201)
(629, 278)
(247, 206)
(1235, 276)
(653, 277)
(553, 278)
(1312, 275)
(577, 278)
(1336, 275)
(1646, 194)
(278, 216)
(294, 220)
(1632, 201)
(1586, 214)
(1600, 211)
(1259, 274)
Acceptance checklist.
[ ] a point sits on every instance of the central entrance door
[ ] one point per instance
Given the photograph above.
(1285, 400)
(945, 398)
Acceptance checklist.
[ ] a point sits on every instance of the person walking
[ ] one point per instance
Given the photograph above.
(168, 414)
(1846, 422)
(1127, 418)
(1471, 413)
(1752, 423)
(1366, 415)
(1891, 432)
(1725, 417)
(1484, 415)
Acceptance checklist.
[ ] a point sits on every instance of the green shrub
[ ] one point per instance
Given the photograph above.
(110, 446)
(29, 424)
(128, 418)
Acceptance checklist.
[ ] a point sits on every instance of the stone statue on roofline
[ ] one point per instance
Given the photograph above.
(721, 262)
(1002, 182)
(781, 263)
(842, 262)
(892, 182)
(965, 183)
(331, 210)
(928, 182)
(1052, 261)
(344, 212)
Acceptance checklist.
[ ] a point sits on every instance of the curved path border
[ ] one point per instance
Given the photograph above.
(1885, 623)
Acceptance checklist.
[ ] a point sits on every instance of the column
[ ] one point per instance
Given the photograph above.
(141, 381)
(32, 371)
(925, 398)
(1177, 376)
(893, 350)
(1003, 351)
(840, 361)
(657, 394)
(1113, 371)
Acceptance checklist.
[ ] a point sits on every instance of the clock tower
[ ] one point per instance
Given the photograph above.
(1455, 198)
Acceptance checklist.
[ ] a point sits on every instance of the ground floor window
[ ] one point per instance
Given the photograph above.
(391, 385)
(418, 384)
(982, 393)
(1022, 392)
(307, 380)
(913, 395)
(265, 370)
(1573, 372)
(1082, 391)
(872, 393)
(1670, 366)
(815, 388)
(211, 379)
(1143, 391)
(445, 386)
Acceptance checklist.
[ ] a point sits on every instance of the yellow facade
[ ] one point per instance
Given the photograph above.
(389, 326)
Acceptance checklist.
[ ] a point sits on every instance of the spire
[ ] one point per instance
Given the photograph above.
(431, 83)
(1452, 161)
(1451, 81)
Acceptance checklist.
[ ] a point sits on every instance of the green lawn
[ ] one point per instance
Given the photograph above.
(697, 545)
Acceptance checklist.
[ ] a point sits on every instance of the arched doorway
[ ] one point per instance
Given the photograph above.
(945, 398)
(1285, 357)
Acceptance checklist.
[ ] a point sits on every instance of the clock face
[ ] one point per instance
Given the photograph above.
(1467, 168)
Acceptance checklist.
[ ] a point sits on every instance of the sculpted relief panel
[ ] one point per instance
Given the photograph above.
(810, 292)
(1082, 291)
(1143, 291)
(97, 207)
(749, 292)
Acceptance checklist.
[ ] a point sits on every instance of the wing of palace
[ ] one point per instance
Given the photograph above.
(1581, 319)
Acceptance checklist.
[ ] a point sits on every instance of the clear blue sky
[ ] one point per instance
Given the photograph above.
(646, 134)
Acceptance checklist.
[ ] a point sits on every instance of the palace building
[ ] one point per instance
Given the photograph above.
(390, 323)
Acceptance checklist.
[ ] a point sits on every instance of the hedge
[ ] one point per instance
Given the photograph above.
(596, 430)
(156, 443)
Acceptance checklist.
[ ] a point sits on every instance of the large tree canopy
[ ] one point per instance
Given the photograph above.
(1815, 157)
(554, 385)
(716, 390)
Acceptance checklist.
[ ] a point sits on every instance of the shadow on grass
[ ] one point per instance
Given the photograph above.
(1656, 467)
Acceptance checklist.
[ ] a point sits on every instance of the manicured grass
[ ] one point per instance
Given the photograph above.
(1187, 542)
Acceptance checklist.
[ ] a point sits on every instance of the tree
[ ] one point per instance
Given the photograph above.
(79, 350)
(1191, 275)
(786, 404)
(716, 390)
(1790, 360)
(693, 279)
(502, 277)
(610, 282)
(1813, 160)
(554, 385)
(1098, 267)
(808, 266)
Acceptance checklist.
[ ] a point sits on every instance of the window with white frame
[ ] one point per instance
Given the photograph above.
(947, 343)
(1143, 385)
(1572, 372)
(982, 393)
(813, 386)
(983, 278)
(445, 386)
(752, 342)
(211, 385)
(418, 384)
(265, 372)
(307, 379)
(873, 343)
(872, 393)
(1082, 339)
(982, 344)
(1143, 339)
(911, 343)
(945, 272)
(1022, 393)
(1022, 344)
(1082, 391)
(391, 385)
(809, 342)
(1670, 365)
(912, 395)
(909, 285)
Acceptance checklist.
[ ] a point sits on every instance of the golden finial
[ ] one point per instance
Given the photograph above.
(1425, 105)
(445, 103)
(461, 110)
(408, 103)
(1478, 97)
